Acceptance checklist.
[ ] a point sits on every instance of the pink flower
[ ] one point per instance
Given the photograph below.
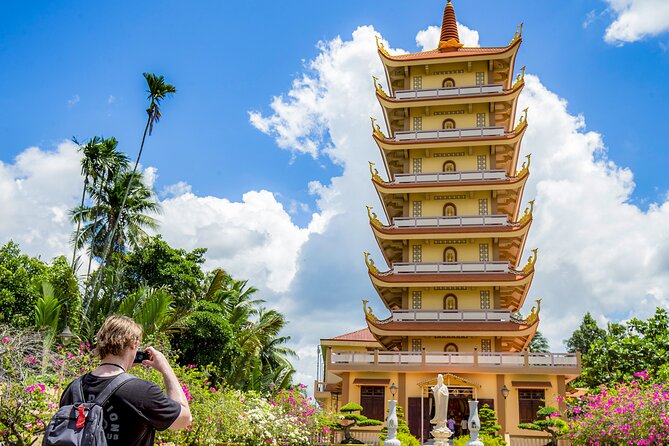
(6, 340)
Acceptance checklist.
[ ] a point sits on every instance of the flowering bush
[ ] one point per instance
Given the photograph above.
(634, 414)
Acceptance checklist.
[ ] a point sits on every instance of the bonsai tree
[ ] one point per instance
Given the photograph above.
(403, 432)
(548, 421)
(488, 419)
(348, 420)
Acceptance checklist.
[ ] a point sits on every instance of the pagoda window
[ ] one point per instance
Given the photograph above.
(450, 302)
(480, 78)
(484, 252)
(529, 402)
(448, 82)
(417, 253)
(373, 400)
(481, 162)
(417, 165)
(450, 255)
(449, 166)
(418, 123)
(451, 348)
(450, 210)
(448, 124)
(417, 82)
(416, 345)
(483, 206)
(417, 209)
(480, 120)
(416, 300)
(486, 345)
(485, 299)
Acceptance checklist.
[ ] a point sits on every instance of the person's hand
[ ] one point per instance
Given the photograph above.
(158, 361)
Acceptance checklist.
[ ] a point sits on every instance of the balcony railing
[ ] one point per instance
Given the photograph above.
(476, 132)
(450, 222)
(476, 359)
(451, 316)
(449, 92)
(450, 267)
(465, 175)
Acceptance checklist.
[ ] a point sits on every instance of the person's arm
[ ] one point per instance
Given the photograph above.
(174, 390)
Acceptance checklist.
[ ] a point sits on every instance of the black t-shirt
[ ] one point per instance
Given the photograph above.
(134, 413)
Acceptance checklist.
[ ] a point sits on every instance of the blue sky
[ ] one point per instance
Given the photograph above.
(74, 69)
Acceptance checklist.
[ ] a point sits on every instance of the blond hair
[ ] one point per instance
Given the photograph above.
(116, 334)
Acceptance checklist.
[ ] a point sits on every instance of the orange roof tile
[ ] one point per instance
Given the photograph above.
(363, 335)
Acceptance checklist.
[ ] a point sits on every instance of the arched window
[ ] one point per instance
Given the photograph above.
(450, 302)
(451, 348)
(449, 166)
(450, 254)
(448, 124)
(448, 82)
(450, 210)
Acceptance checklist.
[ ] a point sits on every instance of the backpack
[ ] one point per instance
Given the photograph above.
(81, 423)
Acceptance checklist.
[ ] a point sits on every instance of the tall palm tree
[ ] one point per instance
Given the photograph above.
(108, 212)
(158, 90)
(89, 169)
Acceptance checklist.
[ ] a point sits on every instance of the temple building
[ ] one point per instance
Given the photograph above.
(452, 235)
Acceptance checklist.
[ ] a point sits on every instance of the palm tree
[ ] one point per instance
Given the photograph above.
(89, 169)
(158, 90)
(108, 212)
(153, 309)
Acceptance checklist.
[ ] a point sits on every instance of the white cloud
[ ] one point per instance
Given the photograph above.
(74, 100)
(36, 192)
(636, 19)
(428, 39)
(111, 99)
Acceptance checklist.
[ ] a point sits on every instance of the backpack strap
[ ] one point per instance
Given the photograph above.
(77, 389)
(112, 387)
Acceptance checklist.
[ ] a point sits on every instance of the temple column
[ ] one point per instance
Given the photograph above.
(345, 388)
(402, 392)
(501, 405)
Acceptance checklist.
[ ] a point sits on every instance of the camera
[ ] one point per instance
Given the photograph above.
(140, 356)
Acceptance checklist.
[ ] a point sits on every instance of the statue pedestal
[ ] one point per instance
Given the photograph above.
(441, 435)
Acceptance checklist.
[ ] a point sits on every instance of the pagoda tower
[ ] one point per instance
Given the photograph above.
(452, 236)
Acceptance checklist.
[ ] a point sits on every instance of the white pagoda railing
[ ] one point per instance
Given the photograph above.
(475, 132)
(448, 222)
(465, 175)
(449, 92)
(451, 315)
(474, 359)
(449, 267)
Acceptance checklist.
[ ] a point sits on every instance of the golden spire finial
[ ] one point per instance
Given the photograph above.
(518, 34)
(378, 87)
(373, 218)
(379, 45)
(376, 128)
(531, 261)
(375, 172)
(520, 78)
(523, 119)
(524, 169)
(369, 314)
(534, 313)
(370, 264)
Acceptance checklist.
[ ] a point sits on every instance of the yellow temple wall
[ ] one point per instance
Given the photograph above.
(469, 299)
(462, 159)
(467, 252)
(432, 344)
(459, 72)
(458, 113)
(465, 202)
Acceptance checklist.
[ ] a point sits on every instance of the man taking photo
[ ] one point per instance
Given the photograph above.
(138, 408)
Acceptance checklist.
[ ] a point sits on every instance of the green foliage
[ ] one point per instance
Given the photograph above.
(156, 264)
(47, 309)
(548, 421)
(539, 343)
(626, 349)
(488, 419)
(351, 407)
(352, 420)
(20, 281)
(583, 337)
(485, 438)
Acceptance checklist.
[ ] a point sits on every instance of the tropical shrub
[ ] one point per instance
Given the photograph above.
(485, 438)
(549, 421)
(632, 413)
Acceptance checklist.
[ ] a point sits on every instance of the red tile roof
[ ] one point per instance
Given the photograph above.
(363, 335)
